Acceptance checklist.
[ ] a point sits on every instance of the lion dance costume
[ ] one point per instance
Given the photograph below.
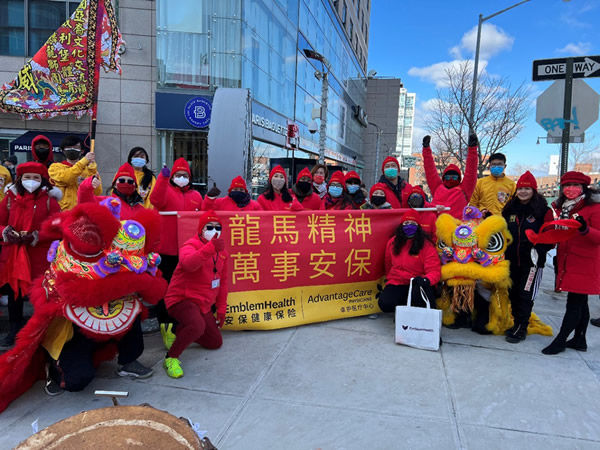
(472, 255)
(101, 270)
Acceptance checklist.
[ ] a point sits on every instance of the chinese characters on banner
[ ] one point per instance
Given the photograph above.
(59, 79)
(288, 269)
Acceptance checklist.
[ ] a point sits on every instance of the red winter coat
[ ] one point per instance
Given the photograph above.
(312, 201)
(400, 201)
(400, 268)
(455, 198)
(340, 203)
(85, 194)
(25, 213)
(166, 197)
(277, 204)
(194, 275)
(427, 221)
(227, 204)
(579, 257)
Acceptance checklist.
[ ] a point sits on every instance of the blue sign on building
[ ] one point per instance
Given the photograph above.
(182, 111)
(197, 112)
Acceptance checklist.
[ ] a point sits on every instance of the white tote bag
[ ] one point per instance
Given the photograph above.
(418, 327)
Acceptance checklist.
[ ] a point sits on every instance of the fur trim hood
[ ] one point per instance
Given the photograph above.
(53, 192)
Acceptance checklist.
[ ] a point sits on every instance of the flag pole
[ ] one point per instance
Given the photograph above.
(97, 62)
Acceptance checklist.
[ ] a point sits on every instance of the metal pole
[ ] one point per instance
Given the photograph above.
(564, 151)
(377, 147)
(475, 70)
(323, 127)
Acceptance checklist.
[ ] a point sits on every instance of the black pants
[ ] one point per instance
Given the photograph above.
(75, 369)
(396, 295)
(15, 308)
(523, 291)
(576, 318)
(168, 263)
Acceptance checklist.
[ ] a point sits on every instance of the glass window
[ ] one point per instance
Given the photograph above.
(357, 8)
(344, 13)
(45, 17)
(192, 146)
(350, 29)
(12, 27)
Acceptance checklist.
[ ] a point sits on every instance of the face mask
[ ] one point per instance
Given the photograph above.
(353, 188)
(31, 185)
(335, 191)
(390, 172)
(416, 201)
(496, 171)
(277, 183)
(572, 192)
(303, 186)
(451, 183)
(239, 197)
(138, 162)
(125, 188)
(42, 153)
(209, 234)
(378, 200)
(409, 229)
(72, 153)
(318, 179)
(181, 181)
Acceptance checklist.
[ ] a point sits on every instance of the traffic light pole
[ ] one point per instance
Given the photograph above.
(566, 132)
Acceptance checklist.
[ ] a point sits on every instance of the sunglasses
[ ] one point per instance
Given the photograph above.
(451, 177)
(213, 227)
(123, 180)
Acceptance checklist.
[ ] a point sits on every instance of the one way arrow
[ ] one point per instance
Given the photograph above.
(590, 66)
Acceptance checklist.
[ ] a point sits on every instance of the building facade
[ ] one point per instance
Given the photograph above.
(177, 54)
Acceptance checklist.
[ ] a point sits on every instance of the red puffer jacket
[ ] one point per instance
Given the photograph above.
(193, 278)
(227, 204)
(579, 257)
(166, 197)
(402, 267)
(277, 204)
(457, 197)
(312, 201)
(85, 194)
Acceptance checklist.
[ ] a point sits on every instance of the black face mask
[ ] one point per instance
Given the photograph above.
(416, 201)
(239, 197)
(72, 155)
(378, 200)
(303, 186)
(42, 154)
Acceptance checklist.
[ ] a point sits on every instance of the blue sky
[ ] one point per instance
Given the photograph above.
(415, 39)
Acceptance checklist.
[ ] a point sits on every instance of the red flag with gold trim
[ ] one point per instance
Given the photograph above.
(62, 77)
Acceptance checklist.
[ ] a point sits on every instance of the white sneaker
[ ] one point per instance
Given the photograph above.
(4, 300)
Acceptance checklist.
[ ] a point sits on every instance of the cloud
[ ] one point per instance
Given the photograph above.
(493, 41)
(577, 49)
(436, 73)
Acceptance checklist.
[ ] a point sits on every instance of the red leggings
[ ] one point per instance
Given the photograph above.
(193, 326)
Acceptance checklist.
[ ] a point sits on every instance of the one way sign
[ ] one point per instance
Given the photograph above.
(556, 69)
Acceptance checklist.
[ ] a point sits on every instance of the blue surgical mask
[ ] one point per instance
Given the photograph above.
(390, 172)
(353, 188)
(138, 162)
(335, 191)
(496, 171)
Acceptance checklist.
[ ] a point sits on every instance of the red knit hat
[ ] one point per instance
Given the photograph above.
(238, 182)
(377, 187)
(337, 177)
(575, 177)
(304, 173)
(390, 159)
(527, 180)
(277, 169)
(208, 216)
(418, 190)
(126, 170)
(32, 167)
(411, 216)
(181, 164)
(352, 175)
(453, 168)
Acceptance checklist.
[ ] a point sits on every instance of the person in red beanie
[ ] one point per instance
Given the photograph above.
(451, 189)
(124, 187)
(303, 191)
(578, 260)
(377, 198)
(28, 202)
(198, 284)
(337, 196)
(238, 198)
(410, 254)
(356, 194)
(277, 197)
(527, 210)
(418, 199)
(41, 150)
(395, 186)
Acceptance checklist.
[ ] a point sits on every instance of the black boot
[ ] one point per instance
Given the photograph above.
(578, 341)
(518, 334)
(9, 340)
(595, 322)
(570, 321)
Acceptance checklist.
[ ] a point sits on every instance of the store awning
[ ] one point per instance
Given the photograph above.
(23, 142)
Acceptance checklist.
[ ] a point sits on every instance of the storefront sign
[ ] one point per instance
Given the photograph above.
(268, 124)
(182, 111)
(197, 112)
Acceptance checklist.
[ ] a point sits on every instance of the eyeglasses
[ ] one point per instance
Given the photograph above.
(450, 177)
(123, 180)
(213, 227)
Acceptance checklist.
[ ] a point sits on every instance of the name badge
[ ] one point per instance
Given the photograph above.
(216, 283)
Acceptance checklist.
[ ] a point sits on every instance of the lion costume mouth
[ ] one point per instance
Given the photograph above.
(111, 319)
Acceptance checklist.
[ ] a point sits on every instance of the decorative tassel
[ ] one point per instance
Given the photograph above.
(463, 298)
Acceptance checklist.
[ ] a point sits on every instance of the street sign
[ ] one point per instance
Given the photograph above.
(556, 69)
(584, 110)
(572, 139)
(409, 161)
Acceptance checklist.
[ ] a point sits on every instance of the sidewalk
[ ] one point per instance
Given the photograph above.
(345, 384)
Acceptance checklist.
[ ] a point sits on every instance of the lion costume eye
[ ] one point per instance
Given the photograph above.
(496, 243)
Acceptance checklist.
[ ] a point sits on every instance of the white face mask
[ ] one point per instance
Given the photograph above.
(208, 235)
(31, 185)
(278, 183)
(181, 181)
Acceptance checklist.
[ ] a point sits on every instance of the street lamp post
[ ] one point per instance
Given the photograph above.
(377, 147)
(476, 63)
(322, 76)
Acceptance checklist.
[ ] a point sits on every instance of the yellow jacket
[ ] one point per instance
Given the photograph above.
(492, 193)
(139, 174)
(5, 175)
(68, 177)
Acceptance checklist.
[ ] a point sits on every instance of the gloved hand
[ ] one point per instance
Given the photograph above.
(165, 172)
(218, 243)
(220, 319)
(30, 238)
(214, 191)
(10, 236)
(422, 281)
(583, 227)
(426, 141)
(473, 141)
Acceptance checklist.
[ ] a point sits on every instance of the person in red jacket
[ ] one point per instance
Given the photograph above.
(41, 150)
(124, 187)
(28, 202)
(303, 191)
(578, 260)
(337, 196)
(377, 198)
(418, 199)
(238, 198)
(320, 174)
(451, 189)
(356, 194)
(198, 284)
(277, 197)
(409, 254)
(395, 186)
